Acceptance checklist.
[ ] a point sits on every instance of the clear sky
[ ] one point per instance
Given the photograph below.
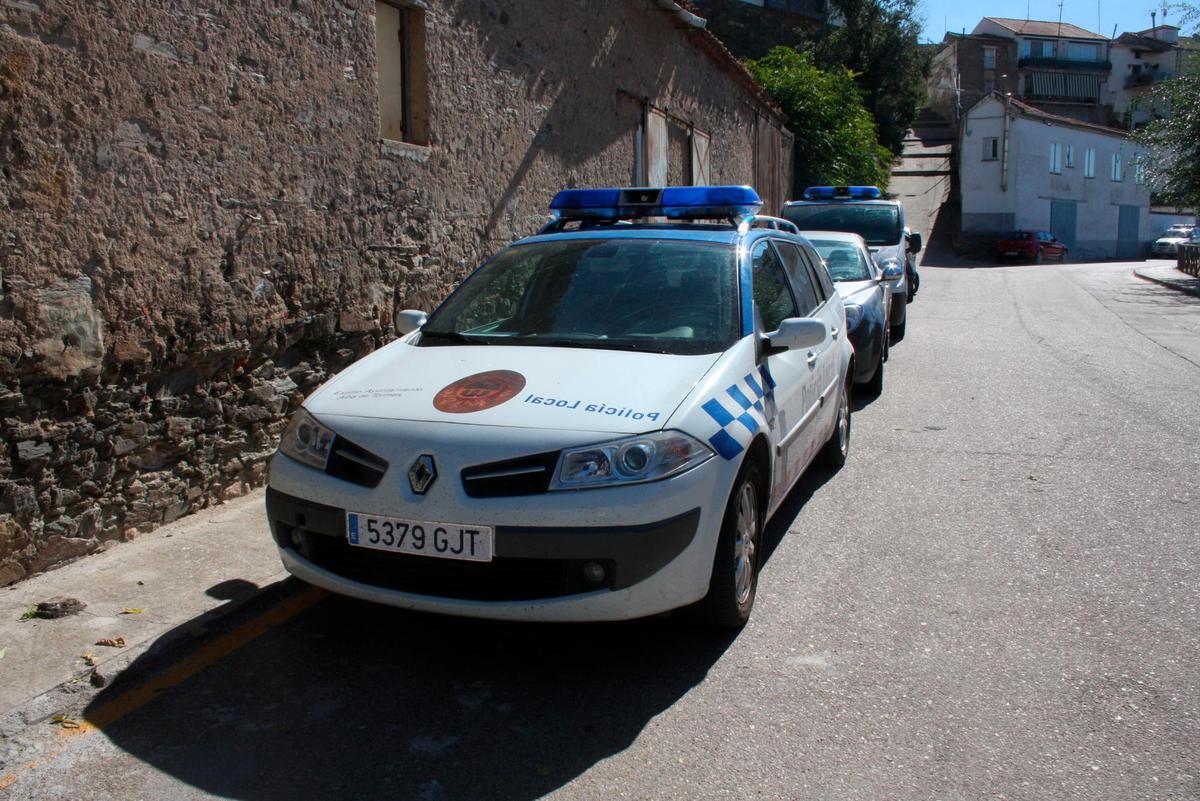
(1098, 17)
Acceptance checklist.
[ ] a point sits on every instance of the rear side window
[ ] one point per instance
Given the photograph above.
(818, 269)
(807, 298)
(772, 295)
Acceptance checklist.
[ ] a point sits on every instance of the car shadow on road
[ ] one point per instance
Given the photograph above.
(354, 700)
(815, 477)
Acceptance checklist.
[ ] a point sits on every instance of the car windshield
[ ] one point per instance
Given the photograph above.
(844, 261)
(658, 295)
(1178, 230)
(877, 223)
(1016, 235)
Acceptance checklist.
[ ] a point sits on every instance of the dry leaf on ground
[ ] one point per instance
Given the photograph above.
(88, 657)
(132, 610)
(112, 642)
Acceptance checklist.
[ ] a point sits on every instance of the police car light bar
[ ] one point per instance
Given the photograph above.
(842, 193)
(672, 202)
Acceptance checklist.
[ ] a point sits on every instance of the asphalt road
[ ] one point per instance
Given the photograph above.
(996, 598)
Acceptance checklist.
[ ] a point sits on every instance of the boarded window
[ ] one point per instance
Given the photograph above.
(401, 73)
(991, 148)
(701, 174)
(656, 147)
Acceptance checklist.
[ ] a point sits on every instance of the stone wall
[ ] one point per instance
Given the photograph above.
(201, 224)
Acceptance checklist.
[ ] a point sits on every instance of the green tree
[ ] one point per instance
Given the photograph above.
(1170, 161)
(878, 40)
(836, 140)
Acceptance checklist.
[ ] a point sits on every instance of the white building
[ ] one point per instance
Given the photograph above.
(1139, 61)
(1023, 168)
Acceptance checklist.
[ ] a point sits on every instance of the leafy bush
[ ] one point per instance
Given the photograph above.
(836, 138)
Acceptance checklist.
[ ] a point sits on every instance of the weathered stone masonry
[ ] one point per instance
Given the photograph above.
(200, 222)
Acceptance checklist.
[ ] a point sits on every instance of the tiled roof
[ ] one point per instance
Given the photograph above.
(1144, 42)
(1033, 27)
(1058, 119)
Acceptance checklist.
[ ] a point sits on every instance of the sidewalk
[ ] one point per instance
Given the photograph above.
(1167, 274)
(209, 562)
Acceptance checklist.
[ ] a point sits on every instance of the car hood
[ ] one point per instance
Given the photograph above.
(1171, 240)
(529, 387)
(848, 289)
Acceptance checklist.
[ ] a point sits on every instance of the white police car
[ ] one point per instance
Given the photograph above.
(864, 211)
(595, 425)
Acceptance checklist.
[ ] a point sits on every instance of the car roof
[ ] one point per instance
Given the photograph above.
(843, 202)
(842, 236)
(719, 234)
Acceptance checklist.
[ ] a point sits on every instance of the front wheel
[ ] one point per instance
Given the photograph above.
(1038, 257)
(837, 449)
(874, 387)
(734, 579)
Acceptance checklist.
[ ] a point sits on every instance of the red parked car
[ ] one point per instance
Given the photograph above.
(1034, 246)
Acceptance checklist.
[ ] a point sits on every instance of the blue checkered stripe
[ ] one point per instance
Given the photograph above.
(752, 401)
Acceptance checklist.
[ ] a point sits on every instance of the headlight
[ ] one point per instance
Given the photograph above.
(853, 316)
(648, 457)
(306, 440)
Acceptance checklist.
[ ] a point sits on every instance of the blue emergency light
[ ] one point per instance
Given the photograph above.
(672, 202)
(842, 193)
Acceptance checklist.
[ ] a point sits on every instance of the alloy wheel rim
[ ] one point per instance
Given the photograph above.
(745, 543)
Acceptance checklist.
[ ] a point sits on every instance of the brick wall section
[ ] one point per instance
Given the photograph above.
(200, 223)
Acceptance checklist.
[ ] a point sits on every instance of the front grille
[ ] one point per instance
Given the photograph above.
(501, 579)
(527, 475)
(349, 462)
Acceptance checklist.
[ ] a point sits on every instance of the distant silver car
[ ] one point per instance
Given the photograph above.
(868, 294)
(1168, 243)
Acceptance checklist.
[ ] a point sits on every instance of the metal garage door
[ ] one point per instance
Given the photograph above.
(1062, 221)
(1127, 232)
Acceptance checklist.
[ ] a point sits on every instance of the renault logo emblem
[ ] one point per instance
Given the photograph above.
(422, 474)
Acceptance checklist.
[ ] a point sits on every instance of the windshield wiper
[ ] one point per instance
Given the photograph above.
(453, 336)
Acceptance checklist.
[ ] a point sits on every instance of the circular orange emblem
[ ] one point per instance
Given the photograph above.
(478, 392)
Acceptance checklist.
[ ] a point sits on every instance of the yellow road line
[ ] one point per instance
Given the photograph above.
(138, 696)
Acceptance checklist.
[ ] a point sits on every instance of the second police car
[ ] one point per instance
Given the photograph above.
(595, 425)
(879, 221)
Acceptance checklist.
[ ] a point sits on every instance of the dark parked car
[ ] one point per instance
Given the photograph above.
(867, 292)
(1034, 246)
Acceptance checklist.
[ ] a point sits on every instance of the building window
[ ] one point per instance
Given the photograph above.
(1037, 48)
(1116, 167)
(991, 148)
(1056, 158)
(1070, 160)
(401, 74)
(1089, 163)
(989, 58)
(1139, 173)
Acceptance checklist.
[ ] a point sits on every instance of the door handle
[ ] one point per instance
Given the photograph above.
(812, 358)
(833, 332)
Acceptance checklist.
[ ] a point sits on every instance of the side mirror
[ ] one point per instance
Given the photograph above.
(892, 272)
(410, 320)
(914, 242)
(798, 332)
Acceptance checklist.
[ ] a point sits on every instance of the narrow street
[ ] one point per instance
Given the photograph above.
(995, 598)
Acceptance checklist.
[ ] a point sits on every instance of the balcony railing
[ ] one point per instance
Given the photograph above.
(1064, 63)
(1146, 78)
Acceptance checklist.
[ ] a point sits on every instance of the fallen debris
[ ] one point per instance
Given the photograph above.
(112, 642)
(59, 606)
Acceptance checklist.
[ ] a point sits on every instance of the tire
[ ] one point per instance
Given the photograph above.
(1039, 257)
(897, 331)
(734, 581)
(837, 448)
(874, 387)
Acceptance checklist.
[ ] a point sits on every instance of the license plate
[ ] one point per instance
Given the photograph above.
(420, 537)
(1010, 253)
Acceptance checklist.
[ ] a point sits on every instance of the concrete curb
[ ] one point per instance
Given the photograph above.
(77, 692)
(1178, 286)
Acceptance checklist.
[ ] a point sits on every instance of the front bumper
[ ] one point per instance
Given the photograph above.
(655, 541)
(531, 562)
